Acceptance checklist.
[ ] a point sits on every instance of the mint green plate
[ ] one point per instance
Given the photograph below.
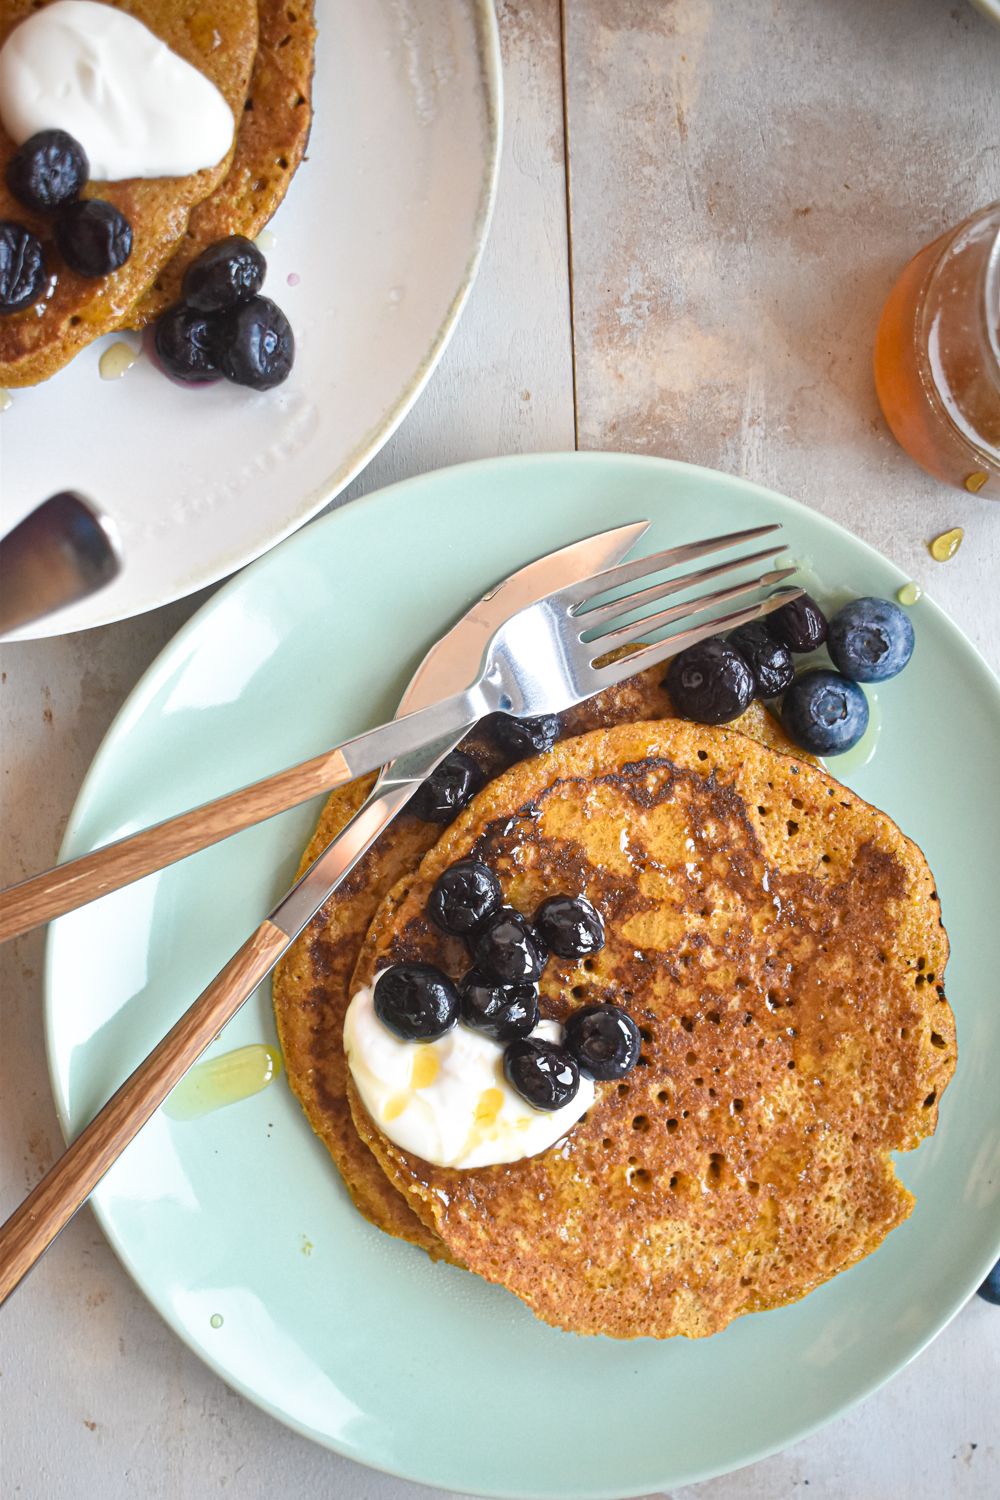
(236, 1225)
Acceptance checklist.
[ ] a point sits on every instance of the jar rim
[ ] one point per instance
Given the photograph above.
(991, 295)
(989, 288)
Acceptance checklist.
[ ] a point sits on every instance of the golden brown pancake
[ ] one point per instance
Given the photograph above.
(273, 132)
(778, 942)
(312, 984)
(220, 38)
(311, 990)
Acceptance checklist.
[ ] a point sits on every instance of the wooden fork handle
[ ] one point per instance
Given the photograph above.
(67, 886)
(31, 1228)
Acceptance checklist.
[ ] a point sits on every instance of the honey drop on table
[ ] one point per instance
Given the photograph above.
(946, 545)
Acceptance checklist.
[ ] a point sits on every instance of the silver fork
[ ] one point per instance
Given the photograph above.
(542, 659)
(399, 779)
(554, 653)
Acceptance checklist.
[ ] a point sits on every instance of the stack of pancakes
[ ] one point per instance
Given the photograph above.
(777, 940)
(259, 53)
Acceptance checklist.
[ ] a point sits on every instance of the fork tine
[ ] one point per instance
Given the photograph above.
(635, 630)
(648, 656)
(641, 567)
(616, 607)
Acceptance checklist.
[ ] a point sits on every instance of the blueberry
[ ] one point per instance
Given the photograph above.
(464, 896)
(604, 1039)
(22, 267)
(570, 926)
(416, 1001)
(186, 344)
(503, 1011)
(521, 737)
(48, 170)
(769, 659)
(507, 949)
(447, 789)
(824, 712)
(257, 347)
(542, 1072)
(227, 273)
(990, 1289)
(95, 237)
(710, 682)
(870, 640)
(801, 624)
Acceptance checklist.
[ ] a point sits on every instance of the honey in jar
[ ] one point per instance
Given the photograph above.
(937, 356)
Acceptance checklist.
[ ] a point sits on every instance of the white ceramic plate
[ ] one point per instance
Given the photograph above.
(990, 8)
(383, 226)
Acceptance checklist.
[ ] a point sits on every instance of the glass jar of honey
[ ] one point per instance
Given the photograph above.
(937, 356)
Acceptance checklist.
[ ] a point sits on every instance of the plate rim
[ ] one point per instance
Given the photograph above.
(490, 67)
(134, 704)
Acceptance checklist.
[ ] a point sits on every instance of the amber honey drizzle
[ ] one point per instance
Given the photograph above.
(116, 360)
(425, 1068)
(223, 1080)
(947, 544)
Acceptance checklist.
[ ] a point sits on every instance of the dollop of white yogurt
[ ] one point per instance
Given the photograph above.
(136, 108)
(448, 1101)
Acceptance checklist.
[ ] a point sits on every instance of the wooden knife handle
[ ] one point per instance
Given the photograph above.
(31, 1228)
(67, 886)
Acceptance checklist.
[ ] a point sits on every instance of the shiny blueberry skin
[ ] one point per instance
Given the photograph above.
(416, 1001)
(521, 737)
(801, 624)
(257, 346)
(769, 659)
(464, 896)
(507, 949)
(825, 713)
(48, 170)
(504, 1011)
(990, 1289)
(543, 1073)
(870, 640)
(604, 1039)
(229, 272)
(710, 682)
(95, 238)
(447, 789)
(186, 344)
(22, 267)
(570, 926)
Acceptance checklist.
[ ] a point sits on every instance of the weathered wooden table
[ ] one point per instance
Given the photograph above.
(702, 207)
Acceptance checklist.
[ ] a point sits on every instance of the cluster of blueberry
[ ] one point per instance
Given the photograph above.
(47, 174)
(222, 326)
(458, 778)
(499, 994)
(825, 712)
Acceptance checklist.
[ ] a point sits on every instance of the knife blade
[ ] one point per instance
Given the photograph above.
(449, 664)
